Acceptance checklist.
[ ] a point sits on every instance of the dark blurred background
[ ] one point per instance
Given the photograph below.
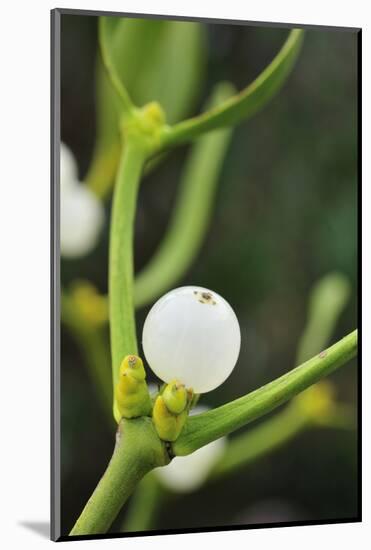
(285, 215)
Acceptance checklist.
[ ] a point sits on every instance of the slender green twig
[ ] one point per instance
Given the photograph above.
(107, 147)
(206, 427)
(191, 214)
(121, 303)
(327, 300)
(104, 30)
(243, 104)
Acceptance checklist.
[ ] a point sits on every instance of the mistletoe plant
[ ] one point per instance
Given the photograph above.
(315, 408)
(191, 337)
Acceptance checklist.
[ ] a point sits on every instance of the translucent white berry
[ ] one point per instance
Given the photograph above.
(68, 168)
(81, 221)
(82, 213)
(188, 473)
(192, 334)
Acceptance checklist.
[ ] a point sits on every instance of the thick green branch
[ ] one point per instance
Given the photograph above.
(204, 428)
(244, 104)
(138, 450)
(122, 319)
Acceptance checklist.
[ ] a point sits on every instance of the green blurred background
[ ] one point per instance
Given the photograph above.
(285, 214)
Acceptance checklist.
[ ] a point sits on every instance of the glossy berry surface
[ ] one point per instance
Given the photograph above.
(192, 334)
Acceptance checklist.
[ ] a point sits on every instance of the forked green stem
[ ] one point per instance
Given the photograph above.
(139, 448)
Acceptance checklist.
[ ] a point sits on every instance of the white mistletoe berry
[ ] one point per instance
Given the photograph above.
(68, 168)
(187, 473)
(192, 334)
(82, 213)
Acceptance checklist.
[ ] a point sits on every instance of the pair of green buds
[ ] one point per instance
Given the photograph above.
(132, 399)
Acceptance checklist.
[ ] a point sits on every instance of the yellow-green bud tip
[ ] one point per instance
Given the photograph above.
(131, 361)
(154, 112)
(175, 397)
(134, 365)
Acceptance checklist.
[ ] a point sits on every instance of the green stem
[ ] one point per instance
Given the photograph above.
(206, 427)
(104, 31)
(244, 104)
(327, 300)
(144, 505)
(183, 238)
(121, 303)
(138, 450)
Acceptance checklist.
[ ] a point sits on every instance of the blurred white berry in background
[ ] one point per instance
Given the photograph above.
(82, 213)
(188, 473)
(192, 334)
(68, 167)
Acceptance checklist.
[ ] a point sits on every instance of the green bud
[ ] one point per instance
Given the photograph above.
(132, 397)
(175, 397)
(171, 409)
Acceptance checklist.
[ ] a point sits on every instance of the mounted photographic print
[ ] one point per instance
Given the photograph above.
(204, 244)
